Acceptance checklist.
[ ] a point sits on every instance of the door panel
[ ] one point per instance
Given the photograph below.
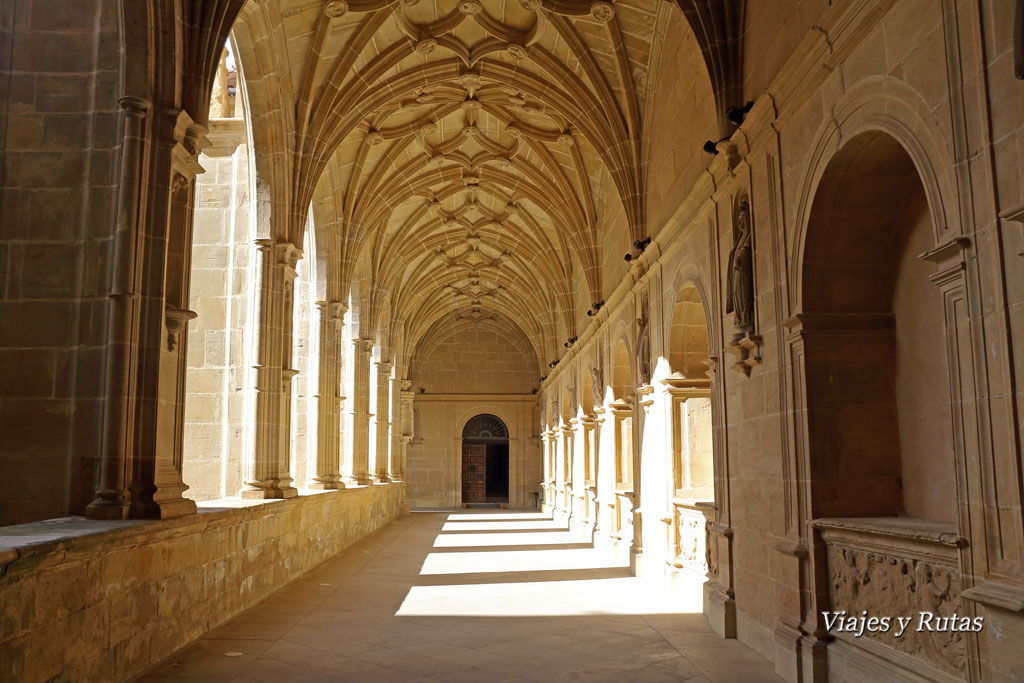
(474, 473)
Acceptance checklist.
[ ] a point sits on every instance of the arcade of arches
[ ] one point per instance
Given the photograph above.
(727, 289)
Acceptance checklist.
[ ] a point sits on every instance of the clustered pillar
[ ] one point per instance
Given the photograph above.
(381, 452)
(265, 469)
(359, 472)
(325, 468)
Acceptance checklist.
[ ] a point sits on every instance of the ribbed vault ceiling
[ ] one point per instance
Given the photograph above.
(459, 151)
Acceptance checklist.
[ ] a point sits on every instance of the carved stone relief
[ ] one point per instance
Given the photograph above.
(692, 547)
(887, 585)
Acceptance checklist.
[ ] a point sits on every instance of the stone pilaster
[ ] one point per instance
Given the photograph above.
(359, 472)
(325, 468)
(382, 455)
(265, 467)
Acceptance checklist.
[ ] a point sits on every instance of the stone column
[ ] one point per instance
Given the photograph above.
(112, 496)
(549, 474)
(588, 486)
(565, 458)
(140, 468)
(604, 472)
(645, 399)
(360, 413)
(382, 455)
(401, 426)
(265, 471)
(577, 479)
(325, 468)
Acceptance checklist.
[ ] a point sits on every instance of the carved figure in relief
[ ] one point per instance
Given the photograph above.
(740, 286)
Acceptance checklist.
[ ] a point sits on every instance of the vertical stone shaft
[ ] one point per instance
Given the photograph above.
(112, 499)
(407, 427)
(263, 473)
(360, 474)
(383, 410)
(140, 475)
(325, 470)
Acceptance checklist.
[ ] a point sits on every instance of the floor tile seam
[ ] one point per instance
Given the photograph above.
(314, 672)
(341, 583)
(675, 647)
(361, 562)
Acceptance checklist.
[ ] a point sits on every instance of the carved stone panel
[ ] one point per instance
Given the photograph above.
(886, 585)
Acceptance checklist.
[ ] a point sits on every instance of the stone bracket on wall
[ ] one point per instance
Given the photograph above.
(747, 351)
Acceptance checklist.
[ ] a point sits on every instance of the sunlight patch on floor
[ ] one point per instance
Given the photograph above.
(503, 561)
(493, 516)
(492, 539)
(626, 595)
(500, 525)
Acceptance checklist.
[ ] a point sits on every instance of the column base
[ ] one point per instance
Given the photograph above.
(269, 494)
(103, 510)
(720, 609)
(636, 563)
(362, 480)
(175, 508)
(381, 479)
(329, 485)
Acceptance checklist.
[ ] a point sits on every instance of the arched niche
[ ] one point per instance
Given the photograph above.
(690, 391)
(879, 411)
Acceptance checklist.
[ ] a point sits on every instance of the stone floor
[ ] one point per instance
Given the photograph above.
(466, 597)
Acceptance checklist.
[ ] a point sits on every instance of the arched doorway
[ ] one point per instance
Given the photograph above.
(485, 472)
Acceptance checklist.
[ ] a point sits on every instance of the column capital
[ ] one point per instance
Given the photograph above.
(363, 345)
(332, 310)
(287, 254)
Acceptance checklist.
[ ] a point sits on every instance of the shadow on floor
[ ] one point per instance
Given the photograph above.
(394, 607)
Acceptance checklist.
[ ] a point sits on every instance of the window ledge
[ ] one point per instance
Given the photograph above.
(911, 537)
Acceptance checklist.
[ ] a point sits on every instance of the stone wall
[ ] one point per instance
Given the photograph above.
(220, 285)
(58, 176)
(84, 600)
(434, 464)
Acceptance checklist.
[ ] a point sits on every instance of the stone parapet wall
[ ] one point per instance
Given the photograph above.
(99, 601)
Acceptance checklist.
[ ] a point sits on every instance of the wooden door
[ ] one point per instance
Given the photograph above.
(474, 473)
